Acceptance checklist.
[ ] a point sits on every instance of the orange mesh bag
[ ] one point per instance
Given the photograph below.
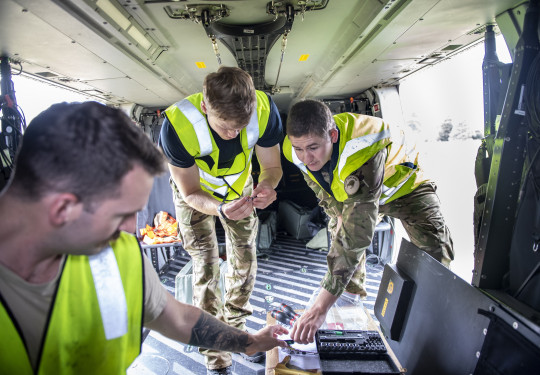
(165, 230)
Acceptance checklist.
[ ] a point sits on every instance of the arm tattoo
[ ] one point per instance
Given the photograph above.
(212, 333)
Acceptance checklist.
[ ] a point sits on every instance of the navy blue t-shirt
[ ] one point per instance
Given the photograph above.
(328, 169)
(177, 155)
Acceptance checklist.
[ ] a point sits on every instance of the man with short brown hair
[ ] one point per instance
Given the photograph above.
(75, 287)
(209, 139)
(358, 171)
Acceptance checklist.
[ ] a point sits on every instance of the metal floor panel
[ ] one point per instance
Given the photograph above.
(288, 272)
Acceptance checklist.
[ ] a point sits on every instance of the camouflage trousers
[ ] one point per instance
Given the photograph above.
(199, 239)
(419, 212)
(421, 216)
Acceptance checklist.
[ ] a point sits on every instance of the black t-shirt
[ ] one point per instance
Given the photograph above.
(177, 155)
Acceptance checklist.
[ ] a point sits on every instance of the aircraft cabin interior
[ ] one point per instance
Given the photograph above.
(145, 55)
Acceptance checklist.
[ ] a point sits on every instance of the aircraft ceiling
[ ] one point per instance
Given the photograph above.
(154, 53)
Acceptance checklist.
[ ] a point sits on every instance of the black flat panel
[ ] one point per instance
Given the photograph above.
(392, 303)
(443, 331)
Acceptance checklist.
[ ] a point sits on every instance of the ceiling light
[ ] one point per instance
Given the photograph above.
(113, 12)
(139, 37)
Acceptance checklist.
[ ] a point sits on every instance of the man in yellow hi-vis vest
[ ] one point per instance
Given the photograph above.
(357, 171)
(75, 287)
(209, 139)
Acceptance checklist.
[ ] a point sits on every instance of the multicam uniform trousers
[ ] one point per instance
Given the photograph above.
(419, 212)
(198, 232)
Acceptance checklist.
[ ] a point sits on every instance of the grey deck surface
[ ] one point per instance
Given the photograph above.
(288, 272)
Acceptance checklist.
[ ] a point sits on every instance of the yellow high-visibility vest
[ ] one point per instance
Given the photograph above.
(361, 137)
(192, 129)
(95, 323)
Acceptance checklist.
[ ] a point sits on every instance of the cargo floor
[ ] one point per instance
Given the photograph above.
(288, 272)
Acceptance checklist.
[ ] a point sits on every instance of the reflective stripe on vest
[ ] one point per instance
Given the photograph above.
(221, 190)
(401, 171)
(197, 144)
(357, 144)
(225, 181)
(202, 131)
(199, 125)
(399, 156)
(390, 191)
(351, 147)
(198, 121)
(355, 149)
(110, 293)
(75, 337)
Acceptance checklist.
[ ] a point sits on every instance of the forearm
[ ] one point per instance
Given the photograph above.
(212, 333)
(189, 324)
(270, 165)
(324, 302)
(271, 176)
(349, 243)
(203, 202)
(306, 327)
(188, 187)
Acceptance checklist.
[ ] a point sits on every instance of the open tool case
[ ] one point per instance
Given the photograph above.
(353, 352)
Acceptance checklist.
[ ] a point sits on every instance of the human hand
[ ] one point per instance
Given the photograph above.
(304, 329)
(238, 209)
(266, 339)
(263, 195)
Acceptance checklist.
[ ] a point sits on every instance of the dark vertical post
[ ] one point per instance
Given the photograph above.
(9, 137)
(505, 177)
(9, 103)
